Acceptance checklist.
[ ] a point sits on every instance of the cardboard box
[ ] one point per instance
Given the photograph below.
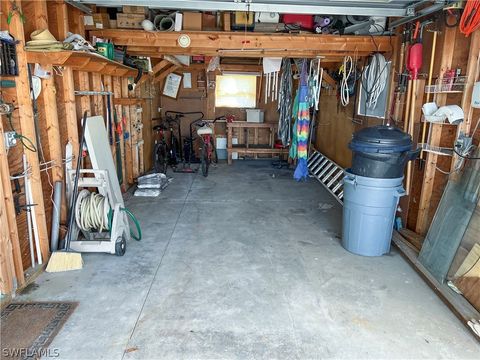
(139, 10)
(226, 21)
(192, 21)
(96, 21)
(130, 21)
(209, 22)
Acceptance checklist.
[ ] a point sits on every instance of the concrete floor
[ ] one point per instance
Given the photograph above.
(243, 264)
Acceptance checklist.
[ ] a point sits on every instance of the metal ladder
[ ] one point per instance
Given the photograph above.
(329, 173)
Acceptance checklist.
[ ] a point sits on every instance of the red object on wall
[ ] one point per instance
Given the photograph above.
(304, 21)
(415, 56)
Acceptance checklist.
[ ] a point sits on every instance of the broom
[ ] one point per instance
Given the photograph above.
(67, 259)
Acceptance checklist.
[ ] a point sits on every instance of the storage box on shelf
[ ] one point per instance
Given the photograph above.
(192, 21)
(130, 21)
(97, 21)
(139, 10)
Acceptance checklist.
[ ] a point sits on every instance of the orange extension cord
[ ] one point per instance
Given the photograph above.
(470, 20)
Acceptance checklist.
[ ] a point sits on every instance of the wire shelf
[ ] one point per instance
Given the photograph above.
(447, 85)
(443, 151)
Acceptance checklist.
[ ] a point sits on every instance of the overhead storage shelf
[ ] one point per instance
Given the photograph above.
(82, 61)
(241, 44)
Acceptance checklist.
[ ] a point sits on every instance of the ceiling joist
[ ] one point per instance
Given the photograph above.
(239, 44)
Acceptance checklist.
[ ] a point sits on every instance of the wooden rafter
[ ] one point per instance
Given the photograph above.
(239, 44)
(162, 64)
(173, 60)
(165, 73)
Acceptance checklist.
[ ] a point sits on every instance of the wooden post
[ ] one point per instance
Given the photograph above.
(134, 141)
(127, 132)
(65, 84)
(117, 90)
(7, 271)
(424, 210)
(98, 107)
(48, 103)
(229, 144)
(107, 82)
(81, 78)
(472, 74)
(7, 199)
(27, 128)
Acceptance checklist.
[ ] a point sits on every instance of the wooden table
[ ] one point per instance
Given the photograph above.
(252, 149)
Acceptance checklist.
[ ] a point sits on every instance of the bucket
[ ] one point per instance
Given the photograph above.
(369, 206)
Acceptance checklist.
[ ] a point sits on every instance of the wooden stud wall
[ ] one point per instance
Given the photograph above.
(59, 114)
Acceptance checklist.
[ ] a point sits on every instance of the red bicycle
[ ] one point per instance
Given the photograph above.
(208, 151)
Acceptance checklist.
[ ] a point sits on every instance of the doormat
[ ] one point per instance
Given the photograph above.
(28, 328)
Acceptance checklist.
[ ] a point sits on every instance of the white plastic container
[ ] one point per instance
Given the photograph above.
(255, 115)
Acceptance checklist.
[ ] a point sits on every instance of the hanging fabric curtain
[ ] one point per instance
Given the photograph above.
(303, 123)
(285, 103)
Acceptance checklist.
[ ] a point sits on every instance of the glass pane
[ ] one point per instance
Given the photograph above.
(239, 91)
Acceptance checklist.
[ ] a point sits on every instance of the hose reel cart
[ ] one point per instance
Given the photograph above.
(101, 221)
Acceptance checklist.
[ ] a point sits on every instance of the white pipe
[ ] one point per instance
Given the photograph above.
(34, 221)
(29, 219)
(273, 86)
(267, 87)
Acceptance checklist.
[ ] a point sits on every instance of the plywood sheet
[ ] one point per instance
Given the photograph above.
(100, 154)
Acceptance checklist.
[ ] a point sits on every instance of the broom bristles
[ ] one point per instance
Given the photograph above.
(64, 261)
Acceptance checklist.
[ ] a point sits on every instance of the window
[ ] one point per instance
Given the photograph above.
(239, 91)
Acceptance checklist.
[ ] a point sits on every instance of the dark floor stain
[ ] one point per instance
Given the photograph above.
(30, 288)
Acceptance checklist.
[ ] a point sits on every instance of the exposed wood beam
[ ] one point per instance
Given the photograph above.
(128, 101)
(241, 44)
(128, 136)
(174, 60)
(254, 53)
(165, 73)
(117, 91)
(160, 66)
(65, 84)
(27, 128)
(329, 80)
(7, 199)
(472, 74)
(48, 98)
(425, 208)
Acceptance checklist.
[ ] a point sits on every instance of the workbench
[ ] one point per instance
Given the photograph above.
(254, 149)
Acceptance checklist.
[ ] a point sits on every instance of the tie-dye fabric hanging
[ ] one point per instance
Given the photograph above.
(303, 125)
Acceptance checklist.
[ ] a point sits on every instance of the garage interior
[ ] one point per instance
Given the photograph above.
(240, 179)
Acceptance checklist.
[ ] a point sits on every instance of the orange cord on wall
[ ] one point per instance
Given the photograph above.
(470, 20)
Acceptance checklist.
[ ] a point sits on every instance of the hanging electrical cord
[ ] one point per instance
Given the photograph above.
(347, 69)
(470, 20)
(374, 79)
(7, 110)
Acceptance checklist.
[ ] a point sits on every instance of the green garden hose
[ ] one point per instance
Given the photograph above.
(137, 237)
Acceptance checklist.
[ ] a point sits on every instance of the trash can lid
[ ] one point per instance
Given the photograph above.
(381, 139)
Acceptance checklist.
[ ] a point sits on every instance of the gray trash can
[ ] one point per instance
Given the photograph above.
(369, 206)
